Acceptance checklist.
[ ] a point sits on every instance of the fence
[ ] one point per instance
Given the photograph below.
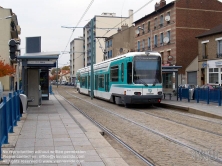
(9, 115)
(201, 94)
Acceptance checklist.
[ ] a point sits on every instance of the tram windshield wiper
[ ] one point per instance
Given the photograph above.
(154, 83)
(144, 83)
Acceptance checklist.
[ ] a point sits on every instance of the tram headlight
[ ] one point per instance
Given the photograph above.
(160, 93)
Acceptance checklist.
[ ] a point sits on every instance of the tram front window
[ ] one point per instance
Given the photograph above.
(147, 72)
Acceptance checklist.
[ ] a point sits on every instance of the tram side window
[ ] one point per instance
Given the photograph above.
(114, 73)
(122, 72)
(129, 72)
(96, 82)
(89, 81)
(82, 83)
(101, 81)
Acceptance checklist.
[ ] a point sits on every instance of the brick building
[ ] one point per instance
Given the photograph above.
(210, 56)
(171, 30)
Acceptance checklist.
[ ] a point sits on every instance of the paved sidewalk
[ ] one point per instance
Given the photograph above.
(49, 135)
(201, 108)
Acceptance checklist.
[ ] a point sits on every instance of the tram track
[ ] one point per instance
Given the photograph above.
(143, 127)
(159, 133)
(172, 120)
(108, 132)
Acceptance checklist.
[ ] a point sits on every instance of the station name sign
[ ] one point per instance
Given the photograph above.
(40, 62)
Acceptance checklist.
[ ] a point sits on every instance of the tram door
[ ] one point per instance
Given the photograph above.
(106, 82)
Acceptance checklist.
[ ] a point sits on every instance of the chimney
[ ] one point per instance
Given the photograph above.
(130, 17)
(118, 30)
(162, 3)
(124, 26)
(159, 5)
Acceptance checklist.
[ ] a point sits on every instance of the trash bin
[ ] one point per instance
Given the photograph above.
(23, 99)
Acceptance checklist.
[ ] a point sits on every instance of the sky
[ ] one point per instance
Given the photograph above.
(45, 17)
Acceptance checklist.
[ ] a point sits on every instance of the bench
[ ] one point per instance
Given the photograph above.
(167, 94)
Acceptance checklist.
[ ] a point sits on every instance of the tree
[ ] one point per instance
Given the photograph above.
(66, 68)
(6, 69)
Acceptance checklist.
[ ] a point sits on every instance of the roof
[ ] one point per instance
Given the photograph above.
(155, 11)
(213, 31)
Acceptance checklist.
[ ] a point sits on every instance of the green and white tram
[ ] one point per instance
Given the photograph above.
(132, 78)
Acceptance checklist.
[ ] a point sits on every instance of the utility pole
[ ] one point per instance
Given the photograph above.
(92, 59)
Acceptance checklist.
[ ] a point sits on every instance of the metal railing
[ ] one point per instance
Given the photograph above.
(202, 94)
(9, 115)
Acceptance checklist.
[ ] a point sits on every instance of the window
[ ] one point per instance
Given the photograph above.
(96, 82)
(213, 75)
(155, 23)
(138, 45)
(148, 26)
(155, 40)
(143, 29)
(114, 73)
(129, 73)
(161, 38)
(122, 72)
(110, 54)
(88, 81)
(101, 81)
(161, 20)
(148, 42)
(110, 43)
(168, 13)
(204, 51)
(143, 45)
(219, 49)
(168, 35)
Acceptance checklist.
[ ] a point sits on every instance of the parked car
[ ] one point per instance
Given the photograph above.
(192, 88)
(211, 86)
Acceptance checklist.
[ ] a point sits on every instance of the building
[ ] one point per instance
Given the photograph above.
(210, 56)
(171, 30)
(76, 57)
(103, 26)
(120, 43)
(9, 29)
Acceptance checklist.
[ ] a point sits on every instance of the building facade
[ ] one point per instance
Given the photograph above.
(120, 43)
(9, 29)
(210, 56)
(102, 26)
(76, 57)
(171, 30)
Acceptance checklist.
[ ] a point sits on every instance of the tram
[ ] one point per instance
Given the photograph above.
(132, 78)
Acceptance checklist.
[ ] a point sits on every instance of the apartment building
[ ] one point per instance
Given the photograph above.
(120, 43)
(103, 26)
(9, 29)
(76, 57)
(171, 30)
(210, 56)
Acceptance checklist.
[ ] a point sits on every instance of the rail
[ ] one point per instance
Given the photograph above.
(9, 115)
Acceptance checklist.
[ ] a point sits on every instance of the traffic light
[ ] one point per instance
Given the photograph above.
(12, 48)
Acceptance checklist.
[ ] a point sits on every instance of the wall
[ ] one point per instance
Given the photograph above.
(5, 36)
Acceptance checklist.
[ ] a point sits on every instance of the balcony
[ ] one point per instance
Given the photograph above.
(219, 55)
(205, 56)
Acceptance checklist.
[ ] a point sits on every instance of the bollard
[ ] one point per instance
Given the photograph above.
(197, 95)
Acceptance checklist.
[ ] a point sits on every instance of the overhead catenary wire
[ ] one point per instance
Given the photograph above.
(79, 22)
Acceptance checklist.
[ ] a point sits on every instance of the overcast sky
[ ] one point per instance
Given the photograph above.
(45, 17)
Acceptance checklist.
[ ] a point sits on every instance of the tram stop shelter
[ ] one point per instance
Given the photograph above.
(35, 75)
(170, 80)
